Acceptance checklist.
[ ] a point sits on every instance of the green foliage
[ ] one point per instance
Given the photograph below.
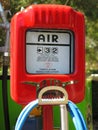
(88, 7)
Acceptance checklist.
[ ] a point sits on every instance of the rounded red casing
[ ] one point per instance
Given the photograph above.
(46, 17)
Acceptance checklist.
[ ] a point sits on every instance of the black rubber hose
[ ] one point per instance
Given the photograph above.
(5, 93)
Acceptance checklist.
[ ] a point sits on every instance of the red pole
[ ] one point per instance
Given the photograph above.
(48, 117)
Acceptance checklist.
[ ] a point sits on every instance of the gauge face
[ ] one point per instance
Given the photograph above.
(49, 52)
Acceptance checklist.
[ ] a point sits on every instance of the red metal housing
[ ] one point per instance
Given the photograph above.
(41, 18)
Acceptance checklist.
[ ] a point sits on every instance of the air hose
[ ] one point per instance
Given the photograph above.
(76, 115)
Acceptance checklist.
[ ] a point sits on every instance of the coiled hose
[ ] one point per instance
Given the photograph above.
(76, 115)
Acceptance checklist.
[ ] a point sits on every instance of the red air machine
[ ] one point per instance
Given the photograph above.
(47, 48)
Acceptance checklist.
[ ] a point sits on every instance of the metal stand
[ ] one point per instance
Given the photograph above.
(64, 117)
(5, 25)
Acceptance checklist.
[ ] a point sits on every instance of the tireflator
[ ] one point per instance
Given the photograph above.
(47, 49)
